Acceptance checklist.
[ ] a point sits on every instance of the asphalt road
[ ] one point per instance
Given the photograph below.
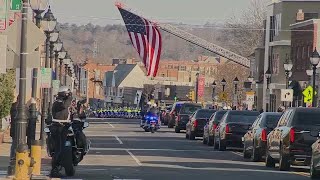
(120, 149)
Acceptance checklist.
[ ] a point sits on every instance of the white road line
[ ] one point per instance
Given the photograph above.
(3, 172)
(236, 153)
(110, 125)
(172, 150)
(118, 139)
(134, 157)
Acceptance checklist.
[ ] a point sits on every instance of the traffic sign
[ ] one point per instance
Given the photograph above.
(35, 36)
(223, 96)
(15, 5)
(287, 95)
(46, 77)
(308, 94)
(55, 86)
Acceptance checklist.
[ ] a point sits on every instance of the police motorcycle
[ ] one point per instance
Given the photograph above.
(72, 151)
(150, 122)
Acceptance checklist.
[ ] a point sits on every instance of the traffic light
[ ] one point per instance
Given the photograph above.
(175, 96)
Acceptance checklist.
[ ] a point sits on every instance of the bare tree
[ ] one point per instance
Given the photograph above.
(245, 32)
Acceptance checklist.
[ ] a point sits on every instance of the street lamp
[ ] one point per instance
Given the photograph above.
(62, 55)
(213, 85)
(268, 76)
(48, 22)
(38, 7)
(223, 83)
(66, 61)
(235, 82)
(197, 86)
(315, 58)
(287, 68)
(57, 48)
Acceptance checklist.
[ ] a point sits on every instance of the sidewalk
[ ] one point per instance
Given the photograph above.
(5, 154)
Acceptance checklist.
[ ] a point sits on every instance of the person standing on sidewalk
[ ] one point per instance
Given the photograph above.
(13, 114)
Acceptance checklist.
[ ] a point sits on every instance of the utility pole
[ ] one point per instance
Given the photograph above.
(197, 86)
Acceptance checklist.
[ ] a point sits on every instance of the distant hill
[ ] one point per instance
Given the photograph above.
(113, 42)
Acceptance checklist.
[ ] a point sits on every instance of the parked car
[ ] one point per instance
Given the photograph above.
(196, 123)
(209, 128)
(290, 142)
(182, 117)
(173, 113)
(255, 140)
(315, 157)
(233, 126)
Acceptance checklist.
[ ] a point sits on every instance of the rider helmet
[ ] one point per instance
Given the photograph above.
(64, 91)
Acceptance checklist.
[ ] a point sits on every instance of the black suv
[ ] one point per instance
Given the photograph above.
(182, 117)
(197, 122)
(233, 126)
(290, 142)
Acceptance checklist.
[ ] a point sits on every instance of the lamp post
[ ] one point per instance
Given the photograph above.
(19, 139)
(287, 68)
(314, 59)
(66, 61)
(235, 82)
(49, 22)
(197, 87)
(62, 56)
(57, 48)
(268, 76)
(213, 85)
(251, 79)
(38, 7)
(223, 83)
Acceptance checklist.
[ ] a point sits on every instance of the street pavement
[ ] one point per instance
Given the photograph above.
(120, 149)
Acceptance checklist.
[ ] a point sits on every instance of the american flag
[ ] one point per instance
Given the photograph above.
(145, 38)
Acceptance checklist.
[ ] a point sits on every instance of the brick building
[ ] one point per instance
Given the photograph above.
(91, 79)
(305, 37)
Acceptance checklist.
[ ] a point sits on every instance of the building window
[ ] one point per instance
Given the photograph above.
(170, 66)
(120, 92)
(176, 67)
(182, 68)
(85, 74)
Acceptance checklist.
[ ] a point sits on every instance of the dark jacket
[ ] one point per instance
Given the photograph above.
(60, 108)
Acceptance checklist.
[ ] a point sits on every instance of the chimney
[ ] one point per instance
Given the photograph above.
(300, 16)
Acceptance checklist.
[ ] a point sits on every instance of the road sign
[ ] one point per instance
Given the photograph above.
(35, 36)
(308, 94)
(55, 86)
(287, 95)
(223, 96)
(46, 77)
(15, 5)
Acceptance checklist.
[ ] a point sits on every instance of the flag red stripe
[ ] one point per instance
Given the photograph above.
(159, 54)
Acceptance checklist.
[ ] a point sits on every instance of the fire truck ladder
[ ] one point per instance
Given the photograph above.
(205, 44)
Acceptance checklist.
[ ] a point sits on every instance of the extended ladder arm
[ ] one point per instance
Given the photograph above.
(205, 44)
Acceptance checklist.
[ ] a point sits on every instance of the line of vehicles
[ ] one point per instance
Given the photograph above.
(288, 138)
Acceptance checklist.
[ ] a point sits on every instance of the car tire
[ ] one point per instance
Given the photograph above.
(284, 163)
(222, 146)
(204, 140)
(269, 161)
(314, 173)
(215, 144)
(177, 130)
(210, 141)
(192, 136)
(255, 156)
(246, 155)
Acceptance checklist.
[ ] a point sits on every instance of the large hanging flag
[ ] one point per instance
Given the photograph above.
(145, 38)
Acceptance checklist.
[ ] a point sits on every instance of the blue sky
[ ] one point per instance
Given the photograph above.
(187, 11)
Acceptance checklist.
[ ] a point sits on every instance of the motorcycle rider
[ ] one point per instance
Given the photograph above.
(63, 111)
